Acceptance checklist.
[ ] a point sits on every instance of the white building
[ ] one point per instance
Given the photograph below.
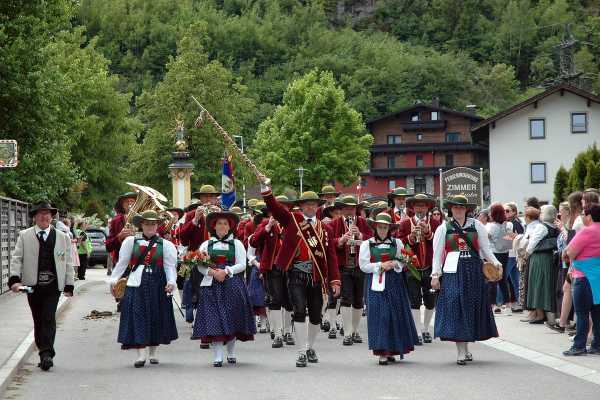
(530, 141)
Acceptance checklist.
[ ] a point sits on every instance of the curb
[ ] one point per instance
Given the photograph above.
(23, 351)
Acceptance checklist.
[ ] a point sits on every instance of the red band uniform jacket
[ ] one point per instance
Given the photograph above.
(339, 228)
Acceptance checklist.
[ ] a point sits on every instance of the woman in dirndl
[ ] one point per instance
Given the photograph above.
(147, 318)
(463, 311)
(391, 328)
(224, 312)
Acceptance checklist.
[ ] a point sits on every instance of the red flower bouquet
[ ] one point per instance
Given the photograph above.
(191, 260)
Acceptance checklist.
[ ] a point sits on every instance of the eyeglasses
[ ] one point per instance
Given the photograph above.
(508, 210)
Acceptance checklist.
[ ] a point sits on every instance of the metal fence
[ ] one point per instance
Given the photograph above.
(14, 216)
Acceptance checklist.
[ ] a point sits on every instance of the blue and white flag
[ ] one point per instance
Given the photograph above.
(227, 184)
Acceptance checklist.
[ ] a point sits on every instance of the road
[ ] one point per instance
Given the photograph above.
(89, 365)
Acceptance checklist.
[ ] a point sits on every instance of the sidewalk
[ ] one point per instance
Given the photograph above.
(16, 329)
(541, 345)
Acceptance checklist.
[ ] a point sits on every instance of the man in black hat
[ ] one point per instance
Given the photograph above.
(42, 260)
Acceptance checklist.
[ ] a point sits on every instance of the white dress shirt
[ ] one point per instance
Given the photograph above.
(47, 232)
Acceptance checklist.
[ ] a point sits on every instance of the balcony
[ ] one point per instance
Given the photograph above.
(423, 125)
(396, 172)
(425, 147)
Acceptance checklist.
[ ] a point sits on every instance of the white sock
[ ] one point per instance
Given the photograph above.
(313, 330)
(462, 350)
(231, 348)
(417, 317)
(466, 348)
(269, 317)
(276, 322)
(427, 320)
(142, 353)
(218, 351)
(347, 320)
(301, 335)
(262, 321)
(153, 351)
(287, 321)
(324, 312)
(331, 313)
(356, 316)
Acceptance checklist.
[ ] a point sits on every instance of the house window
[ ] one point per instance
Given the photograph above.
(537, 128)
(578, 122)
(435, 116)
(414, 117)
(391, 162)
(419, 161)
(363, 182)
(419, 137)
(538, 172)
(392, 185)
(449, 160)
(394, 139)
(420, 185)
(452, 137)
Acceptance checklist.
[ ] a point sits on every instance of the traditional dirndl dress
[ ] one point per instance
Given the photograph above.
(256, 292)
(463, 311)
(147, 317)
(224, 310)
(391, 328)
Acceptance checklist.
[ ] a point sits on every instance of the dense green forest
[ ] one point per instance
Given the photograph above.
(92, 89)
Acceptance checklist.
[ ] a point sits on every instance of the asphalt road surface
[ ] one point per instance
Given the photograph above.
(90, 365)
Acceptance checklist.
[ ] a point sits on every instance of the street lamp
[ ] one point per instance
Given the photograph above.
(235, 137)
(301, 171)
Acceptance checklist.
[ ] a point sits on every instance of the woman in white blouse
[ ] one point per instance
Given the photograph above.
(149, 263)
(224, 312)
(391, 328)
(463, 310)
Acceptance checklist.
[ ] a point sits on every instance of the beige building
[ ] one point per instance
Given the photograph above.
(530, 141)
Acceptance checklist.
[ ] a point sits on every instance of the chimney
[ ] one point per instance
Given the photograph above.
(472, 109)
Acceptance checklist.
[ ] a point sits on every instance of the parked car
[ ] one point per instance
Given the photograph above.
(99, 254)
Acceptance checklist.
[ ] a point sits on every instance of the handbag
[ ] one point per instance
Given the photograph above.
(121, 285)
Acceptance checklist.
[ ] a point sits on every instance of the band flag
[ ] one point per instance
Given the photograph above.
(228, 196)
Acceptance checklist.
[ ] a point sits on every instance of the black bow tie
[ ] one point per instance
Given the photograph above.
(309, 220)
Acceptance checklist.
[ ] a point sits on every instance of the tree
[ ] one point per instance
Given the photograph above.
(592, 178)
(560, 186)
(314, 127)
(579, 170)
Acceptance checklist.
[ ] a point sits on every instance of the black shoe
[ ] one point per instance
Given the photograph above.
(139, 364)
(325, 326)
(516, 310)
(537, 321)
(594, 351)
(469, 357)
(575, 352)
(419, 341)
(217, 364)
(231, 360)
(312, 356)
(289, 339)
(461, 362)
(356, 338)
(332, 334)
(154, 361)
(272, 335)
(555, 327)
(277, 342)
(204, 346)
(46, 363)
(348, 341)
(391, 359)
(427, 337)
(383, 361)
(301, 360)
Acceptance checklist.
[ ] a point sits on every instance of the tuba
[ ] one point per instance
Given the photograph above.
(147, 199)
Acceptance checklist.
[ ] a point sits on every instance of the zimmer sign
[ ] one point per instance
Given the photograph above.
(465, 181)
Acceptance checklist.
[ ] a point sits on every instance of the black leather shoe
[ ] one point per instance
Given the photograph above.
(419, 341)
(461, 362)
(311, 354)
(231, 360)
(348, 341)
(575, 352)
(391, 359)
(469, 357)
(427, 337)
(301, 360)
(325, 326)
(536, 321)
(277, 343)
(204, 346)
(332, 334)
(289, 339)
(139, 364)
(383, 361)
(516, 310)
(356, 338)
(217, 364)
(154, 361)
(46, 363)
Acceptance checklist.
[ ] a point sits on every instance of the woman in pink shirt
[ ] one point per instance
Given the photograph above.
(584, 253)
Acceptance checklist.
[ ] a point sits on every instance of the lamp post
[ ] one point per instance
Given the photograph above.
(301, 171)
(243, 180)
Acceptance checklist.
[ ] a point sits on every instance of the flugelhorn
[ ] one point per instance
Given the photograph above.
(229, 142)
(147, 199)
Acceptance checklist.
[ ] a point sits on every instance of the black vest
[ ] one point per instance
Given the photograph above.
(46, 261)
